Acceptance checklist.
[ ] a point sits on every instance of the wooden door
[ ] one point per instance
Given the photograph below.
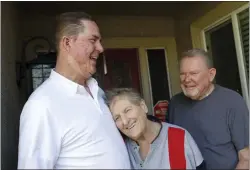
(121, 69)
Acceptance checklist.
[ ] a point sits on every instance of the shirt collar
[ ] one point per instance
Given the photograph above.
(158, 138)
(71, 86)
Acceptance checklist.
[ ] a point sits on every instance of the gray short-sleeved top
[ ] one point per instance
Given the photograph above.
(158, 156)
(219, 125)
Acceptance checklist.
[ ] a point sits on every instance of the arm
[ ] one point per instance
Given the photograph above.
(193, 153)
(239, 129)
(243, 159)
(39, 140)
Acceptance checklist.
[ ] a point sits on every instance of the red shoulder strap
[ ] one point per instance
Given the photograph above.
(176, 148)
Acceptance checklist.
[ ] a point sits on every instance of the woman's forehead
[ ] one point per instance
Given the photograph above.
(120, 100)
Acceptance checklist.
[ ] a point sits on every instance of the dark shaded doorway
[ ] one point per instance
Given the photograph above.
(221, 46)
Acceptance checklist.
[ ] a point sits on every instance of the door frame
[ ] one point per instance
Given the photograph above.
(142, 44)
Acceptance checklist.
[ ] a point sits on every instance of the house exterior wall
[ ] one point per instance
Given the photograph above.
(10, 97)
(120, 26)
(183, 24)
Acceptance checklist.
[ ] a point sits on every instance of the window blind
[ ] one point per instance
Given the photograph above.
(243, 18)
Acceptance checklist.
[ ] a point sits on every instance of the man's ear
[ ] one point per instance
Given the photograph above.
(144, 106)
(66, 43)
(212, 73)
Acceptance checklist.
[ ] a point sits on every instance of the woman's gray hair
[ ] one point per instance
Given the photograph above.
(131, 94)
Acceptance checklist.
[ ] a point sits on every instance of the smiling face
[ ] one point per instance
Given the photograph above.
(195, 77)
(129, 118)
(84, 49)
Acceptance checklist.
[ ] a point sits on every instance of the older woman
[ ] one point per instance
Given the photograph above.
(151, 144)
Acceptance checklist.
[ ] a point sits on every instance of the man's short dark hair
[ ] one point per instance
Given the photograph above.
(198, 52)
(70, 24)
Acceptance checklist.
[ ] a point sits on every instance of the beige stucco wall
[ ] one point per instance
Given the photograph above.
(10, 102)
(134, 26)
(182, 35)
(116, 26)
(184, 21)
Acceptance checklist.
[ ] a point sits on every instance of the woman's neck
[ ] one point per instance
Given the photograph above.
(151, 132)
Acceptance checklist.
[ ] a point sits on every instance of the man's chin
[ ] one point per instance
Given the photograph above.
(194, 97)
(191, 96)
(87, 75)
(92, 73)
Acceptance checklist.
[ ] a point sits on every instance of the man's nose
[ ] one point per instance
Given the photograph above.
(187, 78)
(99, 47)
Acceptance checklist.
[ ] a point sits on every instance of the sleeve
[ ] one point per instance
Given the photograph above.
(103, 95)
(193, 153)
(239, 124)
(39, 139)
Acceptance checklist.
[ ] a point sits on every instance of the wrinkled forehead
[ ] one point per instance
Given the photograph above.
(119, 99)
(91, 28)
(193, 63)
(119, 103)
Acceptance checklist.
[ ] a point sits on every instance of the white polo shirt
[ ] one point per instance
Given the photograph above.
(63, 127)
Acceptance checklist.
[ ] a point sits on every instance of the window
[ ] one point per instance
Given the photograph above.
(240, 24)
(40, 69)
(40, 73)
(243, 18)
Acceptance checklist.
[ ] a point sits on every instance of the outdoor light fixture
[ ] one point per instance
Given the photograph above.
(30, 49)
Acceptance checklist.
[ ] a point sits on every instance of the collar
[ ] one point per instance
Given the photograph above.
(158, 138)
(70, 86)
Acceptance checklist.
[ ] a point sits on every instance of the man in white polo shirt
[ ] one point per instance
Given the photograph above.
(65, 123)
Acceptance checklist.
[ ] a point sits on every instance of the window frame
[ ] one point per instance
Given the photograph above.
(238, 45)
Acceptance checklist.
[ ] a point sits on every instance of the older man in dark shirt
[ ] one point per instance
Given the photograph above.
(216, 117)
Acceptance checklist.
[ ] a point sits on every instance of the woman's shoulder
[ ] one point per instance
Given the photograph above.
(169, 126)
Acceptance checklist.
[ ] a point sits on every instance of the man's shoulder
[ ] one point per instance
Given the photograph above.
(101, 92)
(43, 92)
(41, 98)
(227, 93)
(102, 95)
(178, 97)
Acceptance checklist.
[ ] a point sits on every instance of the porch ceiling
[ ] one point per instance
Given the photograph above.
(123, 8)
